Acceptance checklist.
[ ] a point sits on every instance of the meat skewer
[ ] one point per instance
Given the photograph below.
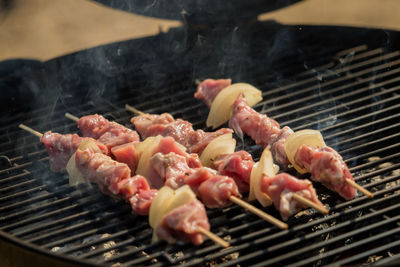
(232, 198)
(266, 131)
(304, 201)
(113, 178)
(129, 181)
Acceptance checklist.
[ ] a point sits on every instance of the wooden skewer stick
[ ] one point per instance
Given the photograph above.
(259, 212)
(29, 129)
(234, 199)
(71, 117)
(197, 81)
(133, 110)
(213, 237)
(359, 188)
(309, 203)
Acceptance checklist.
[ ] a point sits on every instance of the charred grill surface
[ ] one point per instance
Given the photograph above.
(349, 90)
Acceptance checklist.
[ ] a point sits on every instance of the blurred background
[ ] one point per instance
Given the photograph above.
(45, 29)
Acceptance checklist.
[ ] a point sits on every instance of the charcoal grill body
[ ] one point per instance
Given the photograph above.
(342, 81)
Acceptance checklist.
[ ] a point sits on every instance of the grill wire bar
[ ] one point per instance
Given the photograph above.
(353, 101)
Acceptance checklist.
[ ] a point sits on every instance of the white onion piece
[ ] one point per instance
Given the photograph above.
(221, 107)
(265, 167)
(159, 205)
(145, 151)
(308, 137)
(183, 195)
(75, 176)
(254, 172)
(223, 144)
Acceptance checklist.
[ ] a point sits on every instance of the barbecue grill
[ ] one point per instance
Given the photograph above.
(343, 81)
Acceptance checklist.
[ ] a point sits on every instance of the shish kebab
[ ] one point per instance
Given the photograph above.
(286, 192)
(181, 215)
(215, 190)
(305, 150)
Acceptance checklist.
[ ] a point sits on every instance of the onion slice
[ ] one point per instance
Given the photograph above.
(75, 176)
(159, 205)
(308, 137)
(264, 167)
(183, 195)
(221, 107)
(223, 144)
(145, 152)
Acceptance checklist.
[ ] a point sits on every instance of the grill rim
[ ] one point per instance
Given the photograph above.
(30, 247)
(48, 253)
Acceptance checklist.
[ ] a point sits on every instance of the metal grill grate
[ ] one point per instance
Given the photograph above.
(351, 95)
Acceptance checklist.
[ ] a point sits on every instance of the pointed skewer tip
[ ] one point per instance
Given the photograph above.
(29, 129)
(360, 188)
(133, 110)
(310, 204)
(71, 117)
(213, 237)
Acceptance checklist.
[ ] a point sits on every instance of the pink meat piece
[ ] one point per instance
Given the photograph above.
(197, 176)
(126, 153)
(172, 168)
(130, 186)
(60, 148)
(216, 191)
(143, 122)
(166, 146)
(109, 133)
(238, 166)
(102, 169)
(193, 160)
(180, 130)
(327, 166)
(262, 129)
(141, 201)
(280, 189)
(93, 125)
(209, 89)
(182, 223)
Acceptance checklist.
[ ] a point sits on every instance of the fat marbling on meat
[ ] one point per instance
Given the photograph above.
(172, 168)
